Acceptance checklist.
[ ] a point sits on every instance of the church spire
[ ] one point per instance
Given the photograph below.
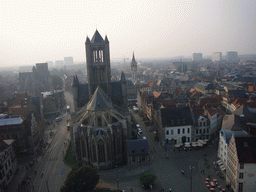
(134, 68)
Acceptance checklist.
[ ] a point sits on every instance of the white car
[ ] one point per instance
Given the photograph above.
(139, 130)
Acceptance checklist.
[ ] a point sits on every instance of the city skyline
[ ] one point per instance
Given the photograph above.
(40, 31)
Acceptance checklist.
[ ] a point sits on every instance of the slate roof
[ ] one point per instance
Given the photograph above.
(245, 79)
(14, 120)
(246, 149)
(227, 134)
(137, 147)
(172, 117)
(83, 92)
(99, 101)
(97, 38)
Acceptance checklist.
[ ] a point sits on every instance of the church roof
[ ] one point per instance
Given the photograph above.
(97, 38)
(99, 101)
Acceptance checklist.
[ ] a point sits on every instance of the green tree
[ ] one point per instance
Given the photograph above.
(147, 179)
(57, 82)
(83, 178)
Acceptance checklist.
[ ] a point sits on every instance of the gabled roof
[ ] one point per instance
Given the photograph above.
(246, 149)
(151, 84)
(178, 116)
(99, 101)
(212, 111)
(227, 134)
(156, 94)
(97, 38)
(137, 147)
(238, 102)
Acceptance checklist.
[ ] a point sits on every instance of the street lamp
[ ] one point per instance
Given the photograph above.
(191, 177)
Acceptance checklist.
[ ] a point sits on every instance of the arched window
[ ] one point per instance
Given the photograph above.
(99, 119)
(118, 143)
(101, 151)
(94, 157)
(109, 153)
(83, 147)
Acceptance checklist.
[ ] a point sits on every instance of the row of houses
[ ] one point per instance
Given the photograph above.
(237, 148)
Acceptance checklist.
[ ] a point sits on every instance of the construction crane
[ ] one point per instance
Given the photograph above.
(124, 58)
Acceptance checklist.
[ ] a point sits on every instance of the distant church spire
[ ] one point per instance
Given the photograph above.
(134, 68)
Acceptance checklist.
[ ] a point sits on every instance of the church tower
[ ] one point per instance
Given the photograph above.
(98, 63)
(134, 69)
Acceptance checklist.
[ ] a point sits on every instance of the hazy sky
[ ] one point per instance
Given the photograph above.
(34, 31)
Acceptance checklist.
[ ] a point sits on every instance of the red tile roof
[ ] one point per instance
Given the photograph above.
(156, 94)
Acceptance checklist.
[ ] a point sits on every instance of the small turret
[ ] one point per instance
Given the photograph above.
(122, 78)
(87, 40)
(106, 39)
(75, 81)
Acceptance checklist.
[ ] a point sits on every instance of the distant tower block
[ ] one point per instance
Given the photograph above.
(134, 69)
(98, 63)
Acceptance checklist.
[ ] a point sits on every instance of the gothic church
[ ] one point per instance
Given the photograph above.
(100, 123)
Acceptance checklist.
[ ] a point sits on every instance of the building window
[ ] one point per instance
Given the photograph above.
(188, 130)
(197, 131)
(188, 139)
(178, 131)
(167, 132)
(240, 187)
(183, 130)
(241, 175)
(200, 124)
(200, 131)
(241, 166)
(207, 130)
(203, 131)
(171, 132)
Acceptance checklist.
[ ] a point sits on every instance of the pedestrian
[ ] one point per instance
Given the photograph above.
(35, 172)
(131, 189)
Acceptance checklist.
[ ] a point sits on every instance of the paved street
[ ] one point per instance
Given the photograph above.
(168, 171)
(50, 163)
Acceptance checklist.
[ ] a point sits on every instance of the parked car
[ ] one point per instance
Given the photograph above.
(58, 119)
(139, 130)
